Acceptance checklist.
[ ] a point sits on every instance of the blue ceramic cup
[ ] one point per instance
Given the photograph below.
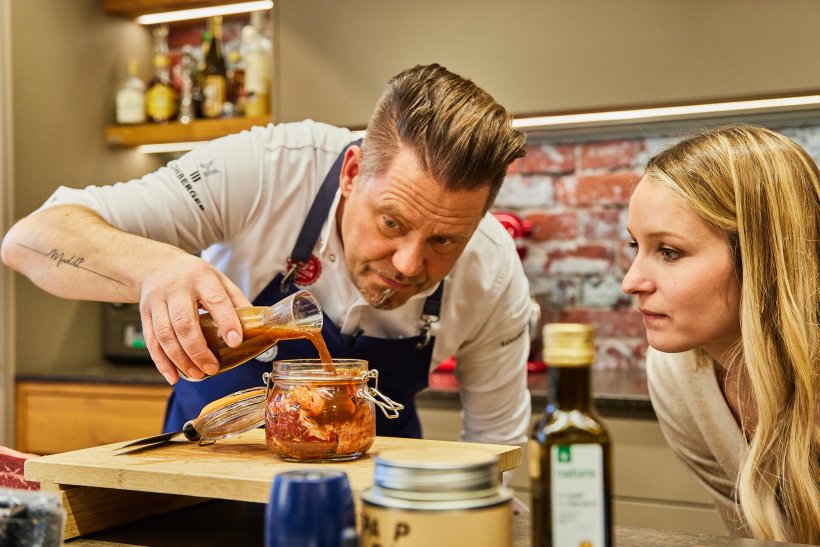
(310, 508)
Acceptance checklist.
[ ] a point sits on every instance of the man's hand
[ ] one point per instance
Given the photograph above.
(170, 300)
(71, 252)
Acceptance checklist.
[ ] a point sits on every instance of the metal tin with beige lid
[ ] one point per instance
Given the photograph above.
(450, 497)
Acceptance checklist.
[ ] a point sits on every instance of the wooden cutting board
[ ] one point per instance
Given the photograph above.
(101, 487)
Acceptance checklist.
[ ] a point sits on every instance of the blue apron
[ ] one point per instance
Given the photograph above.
(403, 364)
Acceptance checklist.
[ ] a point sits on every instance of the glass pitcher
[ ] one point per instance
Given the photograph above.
(297, 316)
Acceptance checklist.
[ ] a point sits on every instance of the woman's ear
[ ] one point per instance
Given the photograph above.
(350, 169)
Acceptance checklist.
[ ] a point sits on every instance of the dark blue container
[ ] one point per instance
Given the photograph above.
(309, 509)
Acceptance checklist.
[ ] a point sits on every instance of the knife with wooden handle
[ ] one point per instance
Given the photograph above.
(194, 429)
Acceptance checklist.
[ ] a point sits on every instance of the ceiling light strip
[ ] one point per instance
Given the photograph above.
(535, 123)
(665, 113)
(202, 13)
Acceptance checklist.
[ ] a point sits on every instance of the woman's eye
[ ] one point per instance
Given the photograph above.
(669, 254)
(633, 245)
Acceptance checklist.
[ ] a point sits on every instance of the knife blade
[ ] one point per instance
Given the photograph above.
(193, 429)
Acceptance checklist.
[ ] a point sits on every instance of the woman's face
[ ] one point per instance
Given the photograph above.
(683, 274)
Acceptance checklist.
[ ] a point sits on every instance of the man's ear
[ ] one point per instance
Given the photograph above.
(350, 169)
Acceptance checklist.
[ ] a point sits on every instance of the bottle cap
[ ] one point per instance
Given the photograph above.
(569, 344)
(309, 507)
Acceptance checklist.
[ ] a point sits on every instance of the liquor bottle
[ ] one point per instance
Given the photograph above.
(236, 82)
(188, 66)
(160, 98)
(197, 96)
(130, 101)
(258, 54)
(569, 450)
(214, 78)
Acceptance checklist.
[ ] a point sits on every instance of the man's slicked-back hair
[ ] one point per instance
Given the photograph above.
(459, 134)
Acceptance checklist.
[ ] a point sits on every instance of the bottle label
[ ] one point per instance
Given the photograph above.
(160, 103)
(130, 106)
(213, 90)
(577, 494)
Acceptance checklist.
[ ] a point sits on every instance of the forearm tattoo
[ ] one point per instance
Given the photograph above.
(59, 258)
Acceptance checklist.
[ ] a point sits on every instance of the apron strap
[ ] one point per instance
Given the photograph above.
(315, 220)
(317, 215)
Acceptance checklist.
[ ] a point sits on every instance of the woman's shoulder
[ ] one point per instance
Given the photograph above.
(658, 362)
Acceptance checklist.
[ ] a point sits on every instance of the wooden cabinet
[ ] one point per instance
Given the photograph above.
(57, 417)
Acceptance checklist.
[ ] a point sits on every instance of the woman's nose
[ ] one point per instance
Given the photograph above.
(636, 281)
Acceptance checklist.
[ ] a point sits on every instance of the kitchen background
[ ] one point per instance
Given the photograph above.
(63, 61)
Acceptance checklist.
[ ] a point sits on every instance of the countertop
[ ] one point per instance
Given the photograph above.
(617, 393)
(222, 523)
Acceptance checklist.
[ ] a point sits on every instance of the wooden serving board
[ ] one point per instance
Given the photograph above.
(103, 487)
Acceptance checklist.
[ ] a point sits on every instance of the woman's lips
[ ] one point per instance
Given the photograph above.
(647, 314)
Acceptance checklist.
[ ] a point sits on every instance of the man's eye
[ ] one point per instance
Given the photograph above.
(669, 254)
(390, 224)
(442, 240)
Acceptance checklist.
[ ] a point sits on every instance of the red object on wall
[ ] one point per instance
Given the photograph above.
(520, 229)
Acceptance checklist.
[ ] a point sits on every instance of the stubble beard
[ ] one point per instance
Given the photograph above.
(383, 303)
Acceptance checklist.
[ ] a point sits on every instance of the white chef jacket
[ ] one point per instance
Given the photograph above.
(242, 199)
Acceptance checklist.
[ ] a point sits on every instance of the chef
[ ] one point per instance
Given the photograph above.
(391, 234)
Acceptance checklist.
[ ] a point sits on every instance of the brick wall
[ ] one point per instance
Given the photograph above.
(576, 196)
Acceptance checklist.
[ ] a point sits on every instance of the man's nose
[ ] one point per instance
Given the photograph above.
(408, 259)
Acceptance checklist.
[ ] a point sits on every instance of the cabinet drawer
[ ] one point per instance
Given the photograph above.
(58, 417)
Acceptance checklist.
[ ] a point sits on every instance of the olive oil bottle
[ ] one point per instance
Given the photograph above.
(569, 451)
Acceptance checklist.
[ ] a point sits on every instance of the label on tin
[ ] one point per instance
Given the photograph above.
(577, 494)
(389, 527)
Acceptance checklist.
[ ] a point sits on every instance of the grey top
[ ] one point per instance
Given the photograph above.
(700, 428)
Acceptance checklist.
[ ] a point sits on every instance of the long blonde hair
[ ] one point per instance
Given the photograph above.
(763, 192)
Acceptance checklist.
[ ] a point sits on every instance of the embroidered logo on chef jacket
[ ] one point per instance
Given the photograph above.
(307, 272)
(208, 168)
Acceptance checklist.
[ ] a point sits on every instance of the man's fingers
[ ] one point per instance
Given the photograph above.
(163, 364)
(166, 336)
(219, 301)
(184, 318)
(238, 298)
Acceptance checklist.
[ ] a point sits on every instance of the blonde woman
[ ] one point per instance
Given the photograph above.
(726, 232)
